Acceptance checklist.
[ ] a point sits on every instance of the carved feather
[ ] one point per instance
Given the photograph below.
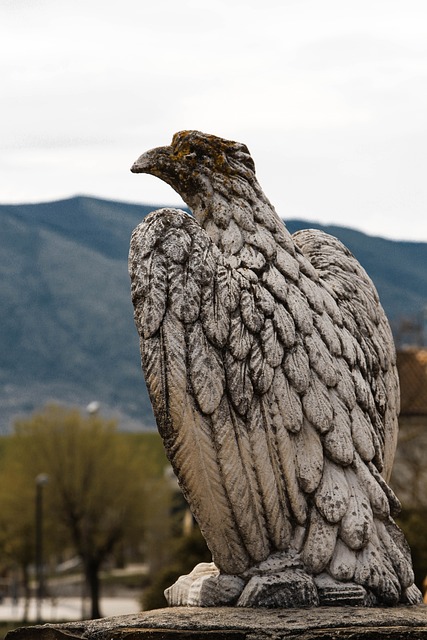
(261, 372)
(348, 346)
(363, 392)
(174, 368)
(379, 393)
(321, 360)
(176, 245)
(269, 477)
(263, 240)
(221, 212)
(213, 231)
(400, 556)
(372, 573)
(151, 307)
(231, 442)
(299, 309)
(345, 387)
(214, 315)
(283, 238)
(284, 326)
(320, 543)
(317, 404)
(385, 340)
(357, 523)
(228, 288)
(343, 563)
(296, 367)
(362, 434)
(286, 450)
(153, 364)
(333, 493)
(231, 239)
(287, 264)
(206, 370)
(288, 401)
(367, 357)
(308, 458)
(264, 301)
(252, 318)
(184, 293)
(242, 215)
(144, 240)
(251, 258)
(275, 283)
(378, 499)
(328, 333)
(239, 384)
(395, 506)
(338, 441)
(330, 305)
(271, 347)
(187, 430)
(204, 488)
(240, 339)
(313, 293)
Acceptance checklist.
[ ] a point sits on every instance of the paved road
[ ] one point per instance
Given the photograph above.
(66, 608)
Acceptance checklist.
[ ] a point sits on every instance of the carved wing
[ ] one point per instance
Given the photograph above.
(208, 373)
(367, 346)
(270, 373)
(184, 294)
(358, 428)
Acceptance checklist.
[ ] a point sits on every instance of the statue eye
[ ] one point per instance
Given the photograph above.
(183, 149)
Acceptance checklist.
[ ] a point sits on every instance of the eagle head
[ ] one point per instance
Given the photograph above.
(195, 163)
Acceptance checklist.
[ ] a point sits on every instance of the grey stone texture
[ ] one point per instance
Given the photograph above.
(226, 623)
(272, 372)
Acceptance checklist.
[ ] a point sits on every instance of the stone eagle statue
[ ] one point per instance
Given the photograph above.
(271, 369)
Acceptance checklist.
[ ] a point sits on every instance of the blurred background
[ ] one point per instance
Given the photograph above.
(331, 100)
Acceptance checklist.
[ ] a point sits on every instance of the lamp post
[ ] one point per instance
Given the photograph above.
(93, 407)
(41, 480)
(92, 410)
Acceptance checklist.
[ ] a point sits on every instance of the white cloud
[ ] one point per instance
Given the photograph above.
(330, 97)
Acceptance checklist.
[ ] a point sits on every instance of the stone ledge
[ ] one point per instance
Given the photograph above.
(223, 623)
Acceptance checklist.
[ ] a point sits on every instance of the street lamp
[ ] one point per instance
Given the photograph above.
(41, 480)
(92, 410)
(93, 407)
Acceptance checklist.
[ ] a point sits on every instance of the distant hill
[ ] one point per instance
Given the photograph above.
(67, 332)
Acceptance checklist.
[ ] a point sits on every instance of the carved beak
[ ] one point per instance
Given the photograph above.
(162, 163)
(156, 162)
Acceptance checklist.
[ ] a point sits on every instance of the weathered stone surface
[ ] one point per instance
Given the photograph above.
(220, 623)
(272, 372)
(205, 587)
(179, 593)
(334, 593)
(290, 588)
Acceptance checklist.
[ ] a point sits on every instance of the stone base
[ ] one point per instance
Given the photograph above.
(223, 623)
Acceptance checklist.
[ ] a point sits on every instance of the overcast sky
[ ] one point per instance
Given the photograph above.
(329, 95)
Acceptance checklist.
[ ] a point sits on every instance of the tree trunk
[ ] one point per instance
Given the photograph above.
(92, 579)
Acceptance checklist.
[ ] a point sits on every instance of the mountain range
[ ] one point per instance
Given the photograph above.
(67, 331)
